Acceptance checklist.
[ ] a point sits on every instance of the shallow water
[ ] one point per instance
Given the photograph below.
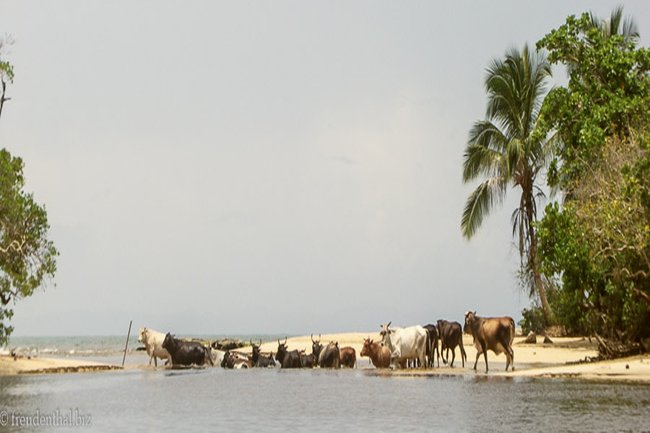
(319, 401)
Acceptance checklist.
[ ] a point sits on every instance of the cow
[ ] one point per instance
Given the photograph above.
(153, 341)
(348, 356)
(308, 361)
(260, 360)
(217, 356)
(451, 335)
(287, 359)
(236, 360)
(378, 353)
(186, 352)
(405, 344)
(330, 356)
(311, 360)
(491, 333)
(432, 345)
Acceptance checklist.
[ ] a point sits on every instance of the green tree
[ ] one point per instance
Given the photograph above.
(27, 257)
(508, 148)
(597, 242)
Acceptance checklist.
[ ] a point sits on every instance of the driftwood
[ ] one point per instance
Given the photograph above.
(610, 349)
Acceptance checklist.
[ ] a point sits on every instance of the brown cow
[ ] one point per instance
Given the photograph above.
(348, 356)
(378, 353)
(491, 333)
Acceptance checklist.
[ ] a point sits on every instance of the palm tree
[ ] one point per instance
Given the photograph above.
(616, 25)
(507, 149)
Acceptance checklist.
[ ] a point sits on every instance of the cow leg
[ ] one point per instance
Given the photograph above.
(510, 358)
(155, 361)
(485, 356)
(453, 357)
(478, 354)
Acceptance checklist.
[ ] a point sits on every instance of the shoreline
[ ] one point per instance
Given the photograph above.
(561, 359)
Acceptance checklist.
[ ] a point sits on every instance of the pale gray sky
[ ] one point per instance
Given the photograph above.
(262, 166)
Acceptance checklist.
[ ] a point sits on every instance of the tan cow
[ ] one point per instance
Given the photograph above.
(491, 333)
(377, 352)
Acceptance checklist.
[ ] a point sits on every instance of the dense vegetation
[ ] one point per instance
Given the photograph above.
(593, 255)
(595, 246)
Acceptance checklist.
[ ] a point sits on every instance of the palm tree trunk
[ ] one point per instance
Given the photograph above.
(537, 279)
(533, 261)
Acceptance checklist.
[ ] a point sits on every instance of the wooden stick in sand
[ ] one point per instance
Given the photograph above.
(127, 342)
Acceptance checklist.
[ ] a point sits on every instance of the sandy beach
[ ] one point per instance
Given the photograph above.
(38, 365)
(560, 359)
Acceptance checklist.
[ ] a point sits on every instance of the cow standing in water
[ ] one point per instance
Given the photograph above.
(153, 341)
(378, 353)
(186, 352)
(348, 357)
(491, 333)
(330, 356)
(258, 359)
(286, 358)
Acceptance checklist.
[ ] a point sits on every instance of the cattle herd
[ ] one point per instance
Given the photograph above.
(414, 346)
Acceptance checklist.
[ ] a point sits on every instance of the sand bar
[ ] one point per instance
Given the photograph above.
(560, 359)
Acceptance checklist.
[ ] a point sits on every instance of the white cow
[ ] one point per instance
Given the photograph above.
(405, 343)
(153, 341)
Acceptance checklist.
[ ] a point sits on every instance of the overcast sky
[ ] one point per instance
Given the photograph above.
(262, 166)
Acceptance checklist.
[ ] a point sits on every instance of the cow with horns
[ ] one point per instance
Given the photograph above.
(286, 358)
(405, 343)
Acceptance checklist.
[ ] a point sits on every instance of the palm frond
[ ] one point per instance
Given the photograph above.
(479, 203)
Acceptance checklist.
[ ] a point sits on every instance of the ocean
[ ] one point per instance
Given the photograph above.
(274, 400)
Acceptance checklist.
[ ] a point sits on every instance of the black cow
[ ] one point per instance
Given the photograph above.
(287, 359)
(311, 360)
(308, 361)
(330, 356)
(186, 352)
(432, 345)
(451, 335)
(260, 360)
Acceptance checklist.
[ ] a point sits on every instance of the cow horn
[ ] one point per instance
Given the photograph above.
(387, 326)
(312, 338)
(285, 340)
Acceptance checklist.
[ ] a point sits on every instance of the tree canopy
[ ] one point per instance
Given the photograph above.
(595, 244)
(27, 256)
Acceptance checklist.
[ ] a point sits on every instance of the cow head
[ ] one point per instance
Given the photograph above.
(366, 350)
(316, 347)
(142, 335)
(169, 343)
(256, 350)
(470, 317)
(385, 331)
(282, 350)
